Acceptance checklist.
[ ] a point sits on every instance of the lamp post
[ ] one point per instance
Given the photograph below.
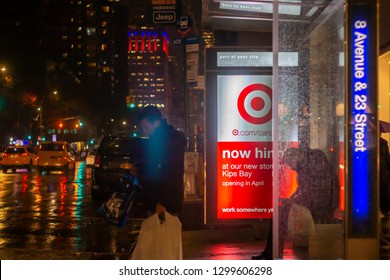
(40, 110)
(40, 119)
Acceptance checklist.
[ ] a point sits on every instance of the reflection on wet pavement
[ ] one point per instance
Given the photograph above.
(51, 216)
(54, 212)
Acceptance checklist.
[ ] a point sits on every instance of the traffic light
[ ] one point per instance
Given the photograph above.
(60, 125)
(130, 101)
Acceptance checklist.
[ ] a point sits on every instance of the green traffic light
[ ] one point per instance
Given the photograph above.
(132, 105)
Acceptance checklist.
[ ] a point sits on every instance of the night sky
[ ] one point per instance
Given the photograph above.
(21, 32)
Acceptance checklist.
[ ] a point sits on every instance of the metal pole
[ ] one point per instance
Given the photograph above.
(41, 120)
(275, 129)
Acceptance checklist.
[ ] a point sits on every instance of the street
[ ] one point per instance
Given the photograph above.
(52, 216)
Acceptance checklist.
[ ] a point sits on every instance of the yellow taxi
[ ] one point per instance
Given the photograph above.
(18, 157)
(55, 156)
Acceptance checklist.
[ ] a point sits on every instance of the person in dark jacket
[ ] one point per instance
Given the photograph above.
(162, 174)
(384, 177)
(384, 199)
(318, 190)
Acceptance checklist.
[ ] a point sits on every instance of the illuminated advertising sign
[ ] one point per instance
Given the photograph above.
(238, 135)
(360, 118)
(244, 146)
(363, 137)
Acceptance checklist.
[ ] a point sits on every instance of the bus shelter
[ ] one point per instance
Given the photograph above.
(292, 124)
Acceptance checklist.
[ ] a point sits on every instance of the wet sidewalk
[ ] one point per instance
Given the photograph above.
(217, 242)
(221, 244)
(226, 241)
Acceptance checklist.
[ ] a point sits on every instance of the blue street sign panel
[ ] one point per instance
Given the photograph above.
(362, 56)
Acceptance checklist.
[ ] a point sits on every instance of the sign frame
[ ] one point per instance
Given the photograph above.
(211, 103)
(362, 153)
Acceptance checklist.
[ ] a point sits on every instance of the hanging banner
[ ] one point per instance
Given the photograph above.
(244, 146)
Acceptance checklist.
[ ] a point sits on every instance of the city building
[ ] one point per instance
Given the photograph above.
(148, 68)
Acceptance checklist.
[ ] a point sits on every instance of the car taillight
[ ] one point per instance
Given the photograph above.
(5, 155)
(37, 157)
(97, 161)
(24, 154)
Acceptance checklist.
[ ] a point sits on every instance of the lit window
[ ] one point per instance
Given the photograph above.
(103, 47)
(79, 46)
(64, 37)
(104, 23)
(91, 31)
(106, 9)
(79, 28)
(79, 63)
(64, 55)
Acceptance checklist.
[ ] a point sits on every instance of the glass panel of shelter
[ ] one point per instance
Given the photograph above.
(311, 138)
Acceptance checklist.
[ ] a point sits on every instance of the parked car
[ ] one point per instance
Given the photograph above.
(18, 157)
(55, 156)
(115, 157)
(90, 159)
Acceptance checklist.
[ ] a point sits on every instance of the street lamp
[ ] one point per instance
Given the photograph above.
(40, 110)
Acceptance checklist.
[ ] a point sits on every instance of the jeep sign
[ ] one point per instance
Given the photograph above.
(164, 17)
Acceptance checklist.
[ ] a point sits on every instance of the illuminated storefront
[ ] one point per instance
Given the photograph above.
(314, 89)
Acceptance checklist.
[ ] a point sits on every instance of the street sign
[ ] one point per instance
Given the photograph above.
(192, 40)
(177, 41)
(164, 17)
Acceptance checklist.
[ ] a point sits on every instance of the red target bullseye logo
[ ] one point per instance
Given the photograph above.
(258, 105)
